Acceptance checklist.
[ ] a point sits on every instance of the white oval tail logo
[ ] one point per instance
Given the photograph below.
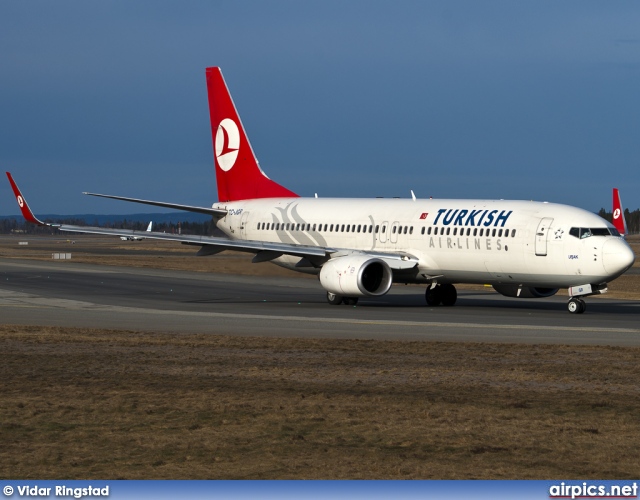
(227, 144)
(20, 201)
(616, 213)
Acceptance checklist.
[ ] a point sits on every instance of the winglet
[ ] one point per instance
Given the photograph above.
(22, 203)
(618, 214)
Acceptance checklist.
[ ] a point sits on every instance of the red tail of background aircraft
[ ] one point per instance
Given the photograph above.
(618, 214)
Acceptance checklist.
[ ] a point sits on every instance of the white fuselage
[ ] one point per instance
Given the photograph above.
(455, 241)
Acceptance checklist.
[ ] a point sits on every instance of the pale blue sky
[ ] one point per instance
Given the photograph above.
(456, 99)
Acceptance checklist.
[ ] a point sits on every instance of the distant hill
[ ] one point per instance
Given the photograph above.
(99, 219)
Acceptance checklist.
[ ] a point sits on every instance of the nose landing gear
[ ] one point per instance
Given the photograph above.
(576, 305)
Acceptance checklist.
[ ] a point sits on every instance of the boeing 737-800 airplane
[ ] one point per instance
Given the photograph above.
(359, 247)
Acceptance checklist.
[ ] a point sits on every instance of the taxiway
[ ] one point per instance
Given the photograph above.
(69, 294)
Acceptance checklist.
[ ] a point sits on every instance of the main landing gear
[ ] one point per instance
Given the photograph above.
(444, 294)
(576, 305)
(335, 300)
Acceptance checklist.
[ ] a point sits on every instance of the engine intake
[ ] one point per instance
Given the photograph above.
(356, 276)
(526, 292)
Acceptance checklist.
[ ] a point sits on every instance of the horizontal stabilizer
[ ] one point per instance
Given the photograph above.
(214, 212)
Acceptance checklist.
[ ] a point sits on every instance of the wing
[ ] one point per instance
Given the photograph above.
(265, 251)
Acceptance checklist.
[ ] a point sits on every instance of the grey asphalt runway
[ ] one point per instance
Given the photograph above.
(63, 293)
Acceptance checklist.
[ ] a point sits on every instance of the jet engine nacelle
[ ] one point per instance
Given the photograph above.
(356, 276)
(526, 292)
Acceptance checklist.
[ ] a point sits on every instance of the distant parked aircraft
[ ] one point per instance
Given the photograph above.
(137, 238)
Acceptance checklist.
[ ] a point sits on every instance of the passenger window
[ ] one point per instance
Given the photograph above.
(342, 229)
(493, 233)
(429, 230)
(513, 233)
(405, 230)
(448, 231)
(384, 229)
(411, 230)
(475, 231)
(377, 228)
(394, 230)
(359, 226)
(422, 232)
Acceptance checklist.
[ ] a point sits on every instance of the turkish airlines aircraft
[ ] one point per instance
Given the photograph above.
(359, 247)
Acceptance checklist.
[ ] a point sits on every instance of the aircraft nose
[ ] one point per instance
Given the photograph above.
(617, 256)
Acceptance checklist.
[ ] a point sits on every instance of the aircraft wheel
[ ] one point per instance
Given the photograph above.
(576, 306)
(350, 301)
(583, 306)
(449, 295)
(433, 296)
(333, 299)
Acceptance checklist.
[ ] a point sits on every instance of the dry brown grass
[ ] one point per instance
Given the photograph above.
(111, 251)
(111, 404)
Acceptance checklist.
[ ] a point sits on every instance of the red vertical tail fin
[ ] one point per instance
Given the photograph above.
(22, 203)
(238, 174)
(618, 214)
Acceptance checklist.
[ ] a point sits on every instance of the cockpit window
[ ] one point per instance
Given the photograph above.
(586, 232)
